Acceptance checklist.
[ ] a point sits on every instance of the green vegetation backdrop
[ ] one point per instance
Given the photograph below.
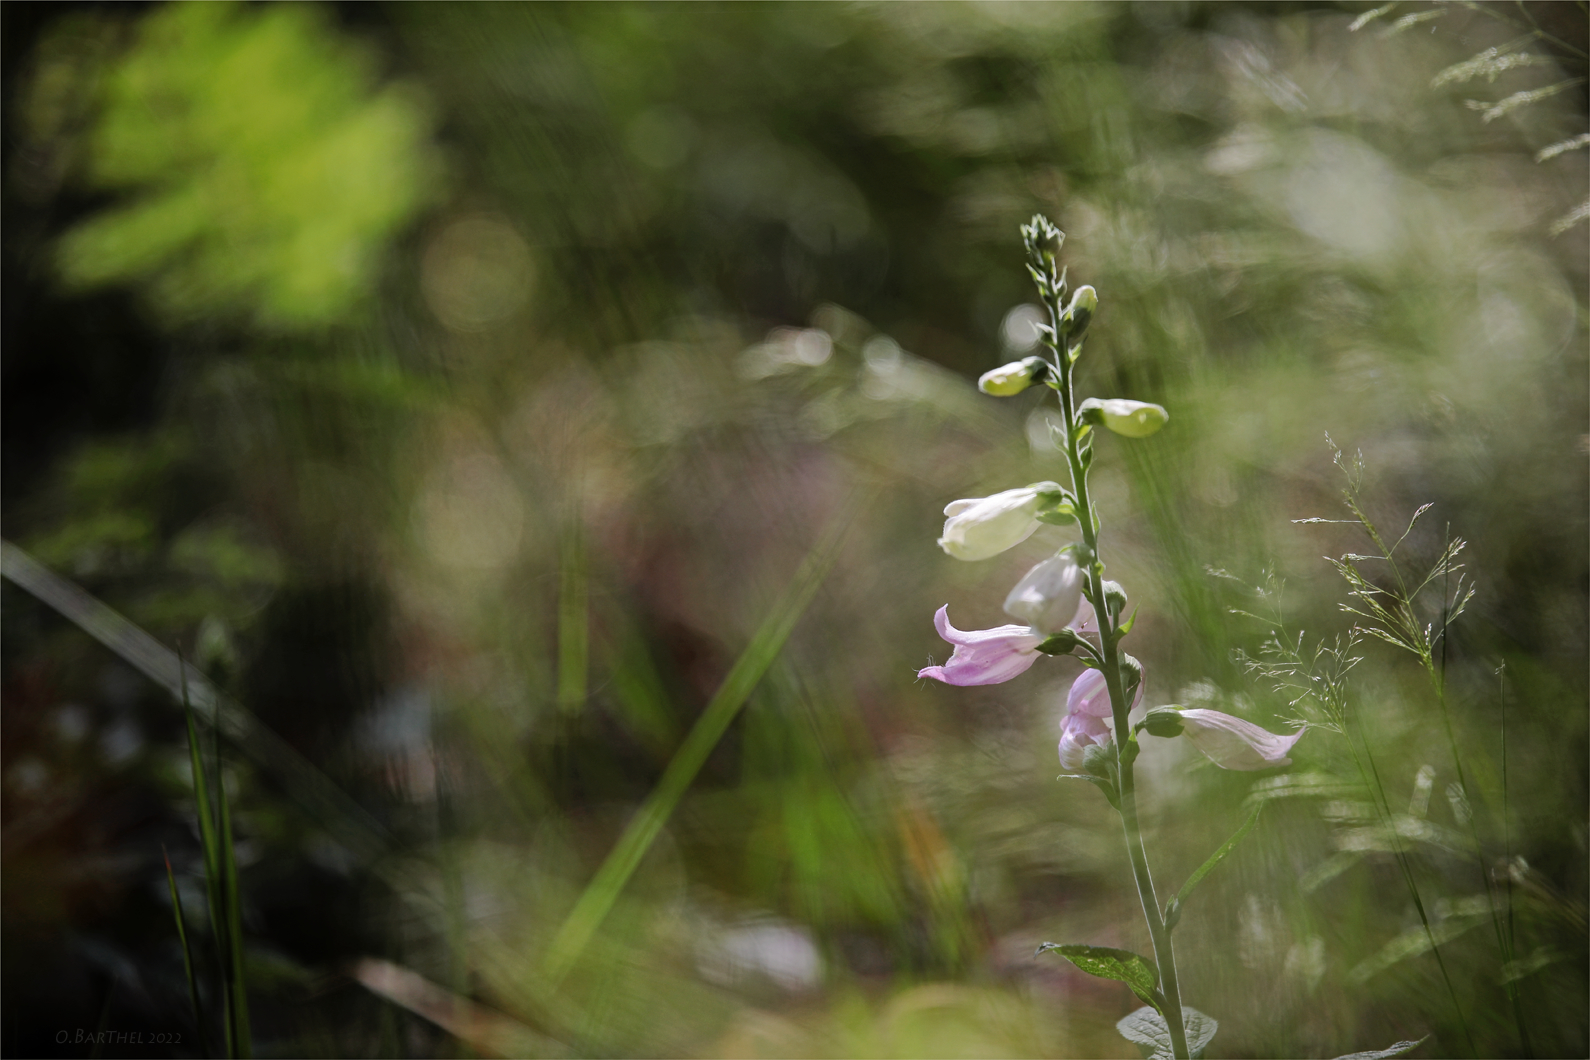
(537, 418)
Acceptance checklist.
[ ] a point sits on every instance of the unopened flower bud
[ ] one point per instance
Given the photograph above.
(1098, 760)
(1008, 380)
(1163, 721)
(1114, 597)
(1063, 643)
(1079, 314)
(1134, 419)
(1132, 676)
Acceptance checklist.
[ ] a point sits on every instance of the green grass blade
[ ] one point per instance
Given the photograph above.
(599, 895)
(187, 954)
(320, 798)
(208, 842)
(237, 982)
(1173, 908)
(574, 626)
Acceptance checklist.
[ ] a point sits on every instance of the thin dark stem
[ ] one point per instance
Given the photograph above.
(1404, 864)
(1509, 950)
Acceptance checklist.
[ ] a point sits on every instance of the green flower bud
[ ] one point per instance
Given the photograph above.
(1132, 672)
(1098, 760)
(1134, 419)
(1114, 597)
(1079, 314)
(1062, 643)
(1163, 721)
(1008, 380)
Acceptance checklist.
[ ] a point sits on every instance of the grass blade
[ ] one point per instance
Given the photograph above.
(187, 954)
(485, 1031)
(322, 800)
(237, 982)
(599, 895)
(1173, 907)
(574, 625)
(210, 845)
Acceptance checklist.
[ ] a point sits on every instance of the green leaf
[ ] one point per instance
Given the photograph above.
(1400, 1049)
(1126, 627)
(1147, 1029)
(1173, 907)
(1124, 966)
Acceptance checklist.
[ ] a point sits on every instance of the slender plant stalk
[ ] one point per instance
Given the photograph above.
(1509, 949)
(1125, 744)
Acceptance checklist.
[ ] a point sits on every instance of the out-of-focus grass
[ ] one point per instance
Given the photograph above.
(486, 500)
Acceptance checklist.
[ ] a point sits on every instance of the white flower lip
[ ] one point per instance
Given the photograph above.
(981, 527)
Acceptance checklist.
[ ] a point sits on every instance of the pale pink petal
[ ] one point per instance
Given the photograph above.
(1232, 743)
(1078, 732)
(1091, 695)
(984, 656)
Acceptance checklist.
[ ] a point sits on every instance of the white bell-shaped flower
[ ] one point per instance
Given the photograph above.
(980, 527)
(1049, 596)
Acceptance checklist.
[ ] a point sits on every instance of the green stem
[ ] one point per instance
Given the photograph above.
(1125, 743)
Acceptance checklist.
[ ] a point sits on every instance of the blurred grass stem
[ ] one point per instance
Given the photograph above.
(573, 622)
(597, 900)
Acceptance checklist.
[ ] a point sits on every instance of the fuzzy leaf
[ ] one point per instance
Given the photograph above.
(1400, 1049)
(1146, 1029)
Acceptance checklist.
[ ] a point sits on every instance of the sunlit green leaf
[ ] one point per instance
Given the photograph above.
(1124, 966)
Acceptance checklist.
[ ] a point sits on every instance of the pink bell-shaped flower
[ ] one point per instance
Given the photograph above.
(1090, 694)
(984, 656)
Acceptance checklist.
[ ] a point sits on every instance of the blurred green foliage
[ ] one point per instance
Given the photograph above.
(259, 173)
(507, 359)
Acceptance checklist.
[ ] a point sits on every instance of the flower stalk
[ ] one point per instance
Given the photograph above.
(1065, 606)
(1040, 237)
